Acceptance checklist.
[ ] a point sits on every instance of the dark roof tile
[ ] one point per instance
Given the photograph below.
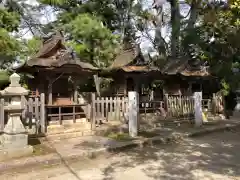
(53, 53)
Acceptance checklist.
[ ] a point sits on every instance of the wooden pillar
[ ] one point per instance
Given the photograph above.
(93, 112)
(97, 83)
(190, 87)
(136, 85)
(75, 91)
(50, 98)
(125, 86)
(75, 95)
(151, 95)
(42, 113)
(214, 104)
(201, 86)
(165, 99)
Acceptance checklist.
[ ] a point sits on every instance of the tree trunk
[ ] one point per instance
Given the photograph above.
(193, 14)
(175, 23)
(159, 43)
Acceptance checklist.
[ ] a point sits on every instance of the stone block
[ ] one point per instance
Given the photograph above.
(14, 140)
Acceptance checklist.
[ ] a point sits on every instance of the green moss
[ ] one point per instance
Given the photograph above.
(119, 136)
(147, 134)
(125, 136)
(39, 148)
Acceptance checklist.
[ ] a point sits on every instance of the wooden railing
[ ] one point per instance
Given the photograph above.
(178, 106)
(34, 94)
(33, 113)
(172, 107)
(150, 106)
(72, 111)
(107, 108)
(207, 105)
(103, 108)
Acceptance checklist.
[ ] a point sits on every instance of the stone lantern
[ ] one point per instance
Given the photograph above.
(15, 138)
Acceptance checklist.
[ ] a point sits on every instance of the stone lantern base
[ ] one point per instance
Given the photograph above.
(14, 141)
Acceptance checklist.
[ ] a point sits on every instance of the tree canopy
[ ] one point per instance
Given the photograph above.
(215, 40)
(9, 46)
(209, 31)
(92, 40)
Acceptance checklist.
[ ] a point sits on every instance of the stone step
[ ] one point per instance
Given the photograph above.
(77, 132)
(68, 122)
(68, 135)
(65, 128)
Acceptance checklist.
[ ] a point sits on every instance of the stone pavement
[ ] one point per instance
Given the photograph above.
(90, 146)
(211, 157)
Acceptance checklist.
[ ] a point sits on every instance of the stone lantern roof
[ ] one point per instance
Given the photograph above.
(14, 89)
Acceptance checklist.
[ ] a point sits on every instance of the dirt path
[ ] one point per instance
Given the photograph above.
(214, 156)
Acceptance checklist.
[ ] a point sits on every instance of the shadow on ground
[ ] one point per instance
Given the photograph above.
(214, 156)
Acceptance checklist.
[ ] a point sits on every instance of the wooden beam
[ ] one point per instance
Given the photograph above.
(190, 87)
(136, 84)
(42, 113)
(125, 87)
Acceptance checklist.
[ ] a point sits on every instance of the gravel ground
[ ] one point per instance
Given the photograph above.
(213, 156)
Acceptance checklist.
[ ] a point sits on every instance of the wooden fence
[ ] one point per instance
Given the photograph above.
(72, 112)
(116, 108)
(33, 114)
(175, 107)
(108, 108)
(148, 106)
(218, 103)
(152, 107)
(207, 106)
(36, 113)
(180, 106)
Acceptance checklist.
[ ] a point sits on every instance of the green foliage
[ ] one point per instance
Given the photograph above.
(114, 14)
(29, 48)
(97, 43)
(55, 2)
(222, 24)
(4, 78)
(110, 12)
(226, 87)
(9, 45)
(32, 46)
(119, 136)
(90, 25)
(9, 20)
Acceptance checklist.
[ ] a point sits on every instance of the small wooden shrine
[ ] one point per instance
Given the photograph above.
(56, 71)
(130, 71)
(185, 76)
